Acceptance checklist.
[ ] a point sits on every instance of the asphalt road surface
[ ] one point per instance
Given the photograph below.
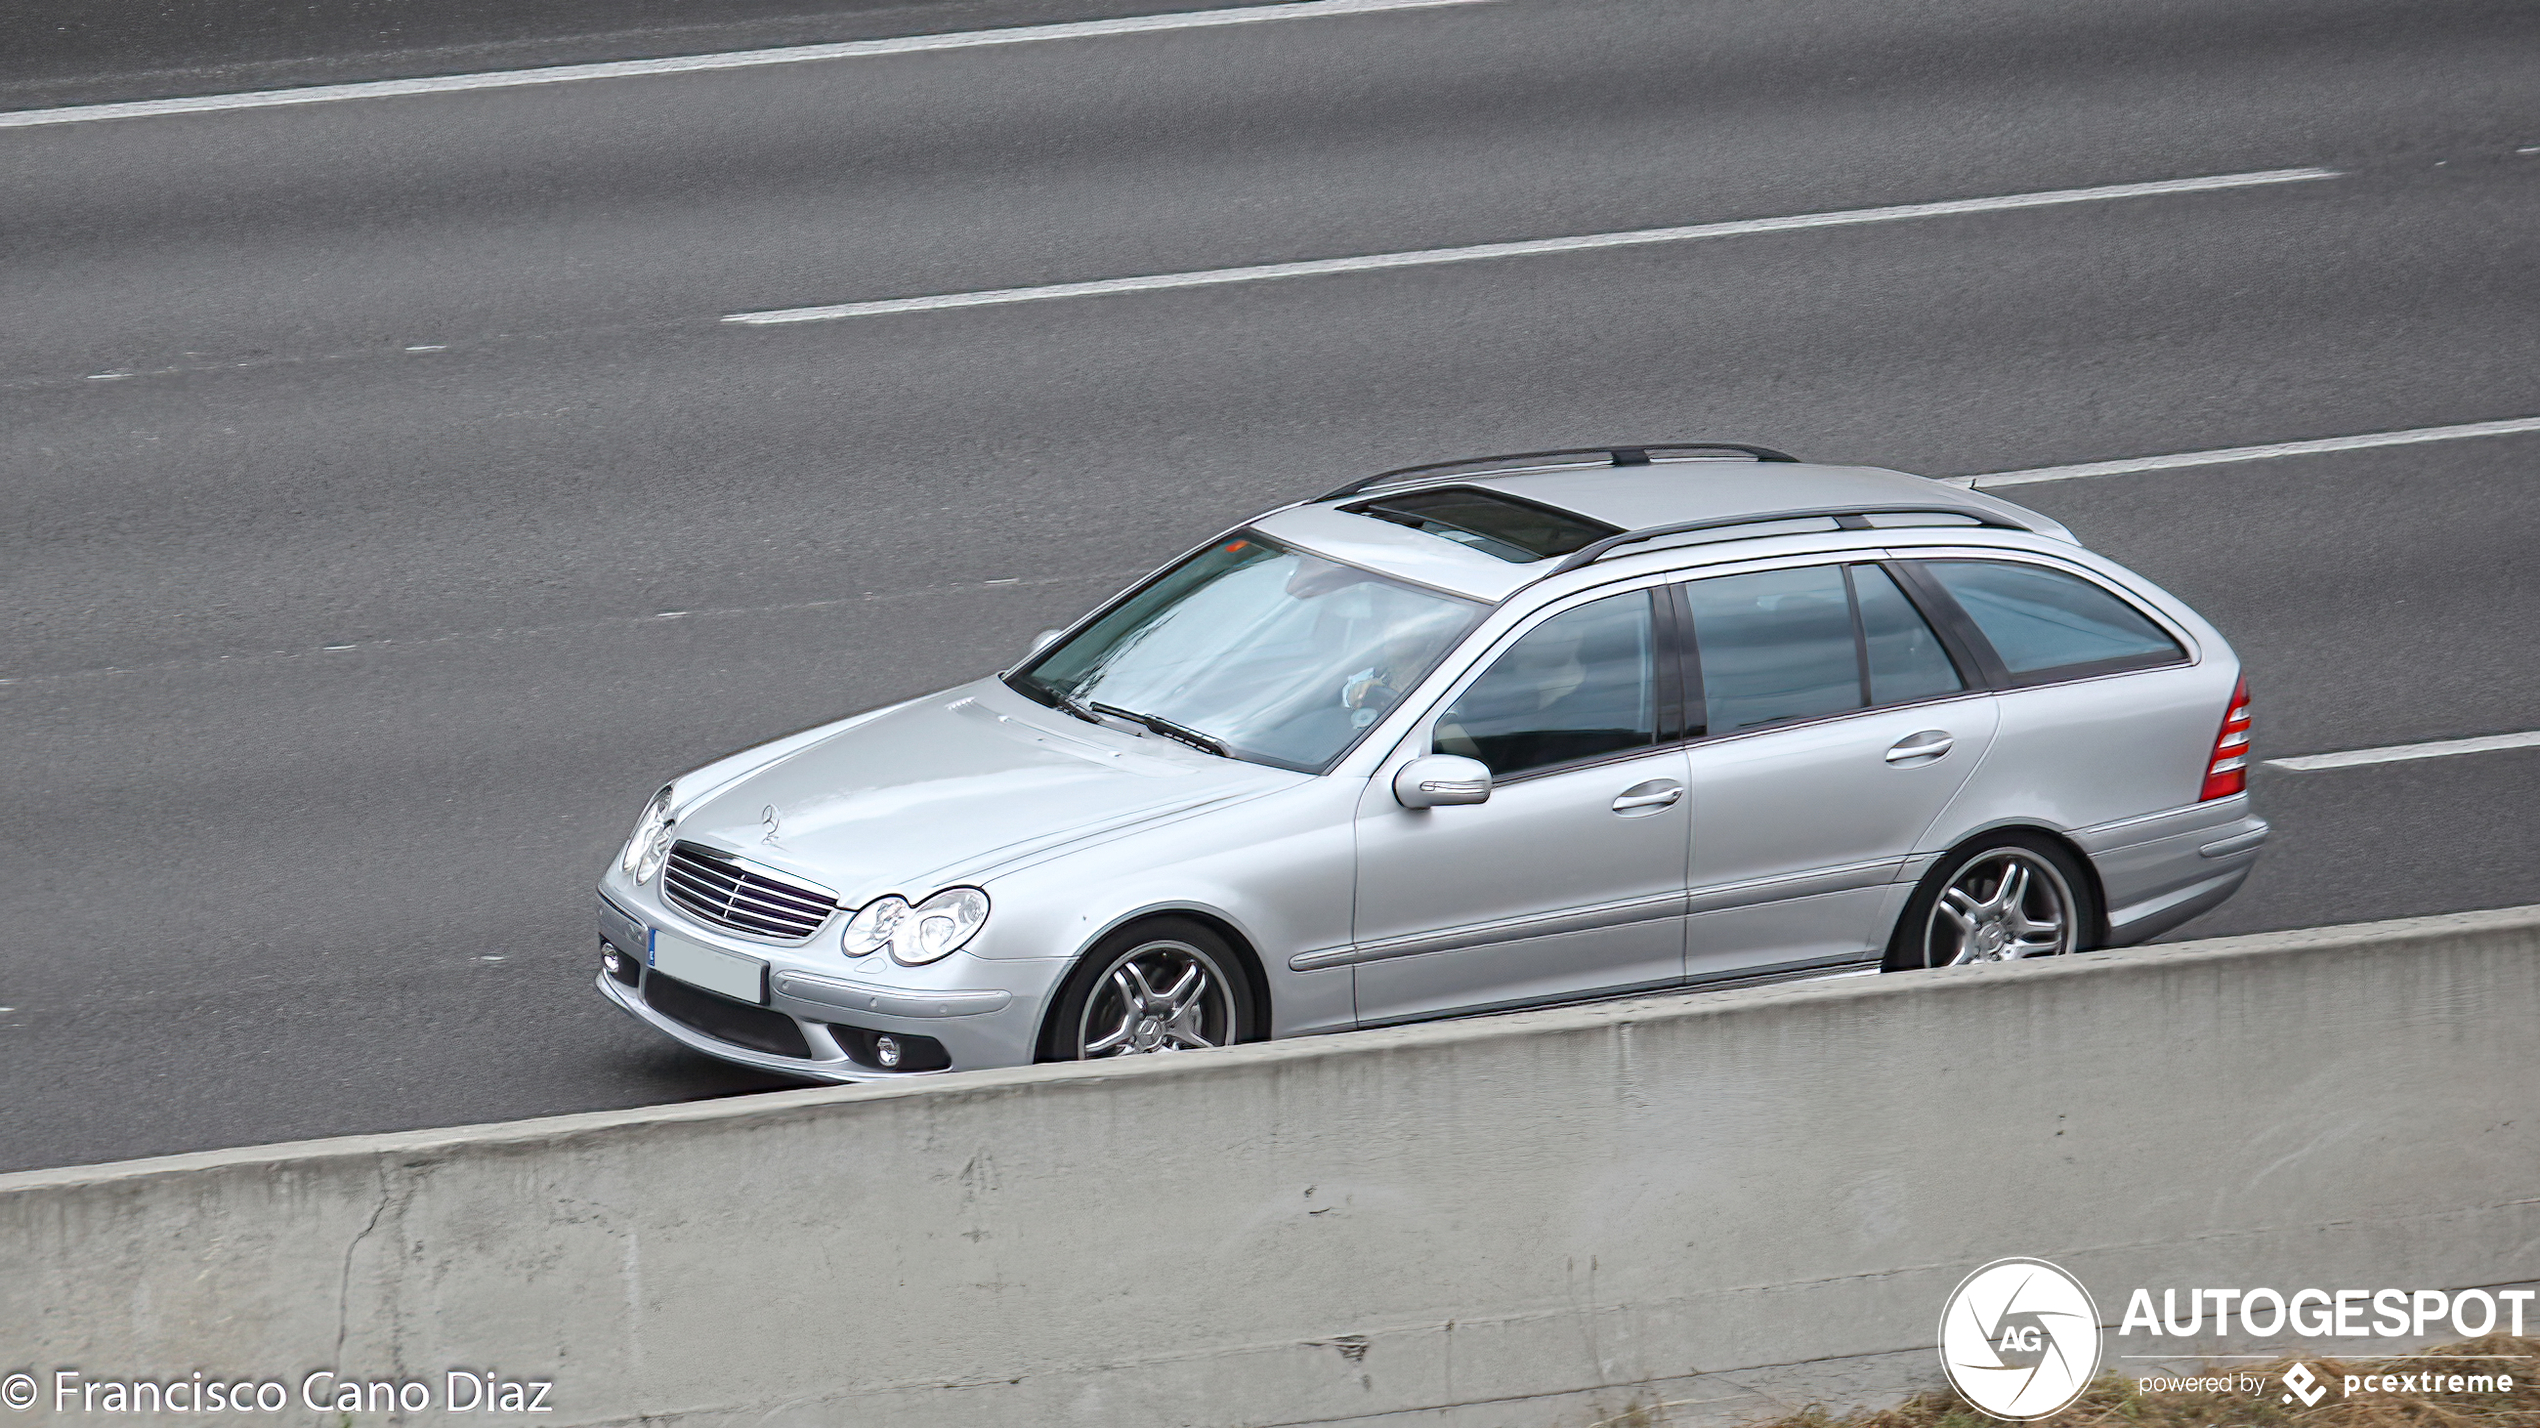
(387, 510)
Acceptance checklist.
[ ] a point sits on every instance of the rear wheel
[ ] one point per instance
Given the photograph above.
(1170, 984)
(2000, 898)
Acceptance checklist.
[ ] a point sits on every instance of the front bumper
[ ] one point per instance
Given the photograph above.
(979, 1013)
(840, 1070)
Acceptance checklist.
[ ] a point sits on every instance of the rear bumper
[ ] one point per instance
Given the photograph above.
(2161, 871)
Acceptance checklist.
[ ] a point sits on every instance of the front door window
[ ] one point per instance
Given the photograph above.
(1581, 685)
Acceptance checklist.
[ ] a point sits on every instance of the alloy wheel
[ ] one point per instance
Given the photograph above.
(2005, 904)
(1158, 996)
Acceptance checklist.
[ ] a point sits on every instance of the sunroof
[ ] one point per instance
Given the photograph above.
(1519, 532)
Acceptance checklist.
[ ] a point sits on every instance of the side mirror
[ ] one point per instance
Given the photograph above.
(1042, 641)
(1440, 780)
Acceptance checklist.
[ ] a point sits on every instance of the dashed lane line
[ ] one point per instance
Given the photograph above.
(730, 59)
(2402, 753)
(1525, 248)
(2232, 455)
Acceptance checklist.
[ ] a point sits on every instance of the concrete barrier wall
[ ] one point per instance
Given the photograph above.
(1724, 1201)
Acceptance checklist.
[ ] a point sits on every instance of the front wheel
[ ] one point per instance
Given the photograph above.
(2000, 898)
(1170, 984)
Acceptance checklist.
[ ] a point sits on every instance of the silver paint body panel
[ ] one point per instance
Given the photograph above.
(1799, 832)
(1541, 894)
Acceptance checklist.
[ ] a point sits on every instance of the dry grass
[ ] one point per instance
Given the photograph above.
(2114, 1402)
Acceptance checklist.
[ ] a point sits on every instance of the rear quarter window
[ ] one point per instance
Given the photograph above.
(2048, 624)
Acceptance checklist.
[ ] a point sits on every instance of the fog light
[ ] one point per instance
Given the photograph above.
(621, 966)
(890, 1051)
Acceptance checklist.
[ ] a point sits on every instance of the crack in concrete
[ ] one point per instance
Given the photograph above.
(344, 1283)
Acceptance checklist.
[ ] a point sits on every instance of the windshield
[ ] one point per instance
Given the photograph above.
(1277, 655)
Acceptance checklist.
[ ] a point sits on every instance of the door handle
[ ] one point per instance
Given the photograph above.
(1921, 748)
(1648, 797)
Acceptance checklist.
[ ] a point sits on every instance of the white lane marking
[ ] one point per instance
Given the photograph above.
(2230, 454)
(731, 59)
(2401, 753)
(1113, 580)
(1532, 247)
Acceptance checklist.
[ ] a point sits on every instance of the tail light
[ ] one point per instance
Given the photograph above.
(2227, 772)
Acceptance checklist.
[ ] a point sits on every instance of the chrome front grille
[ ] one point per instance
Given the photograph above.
(714, 886)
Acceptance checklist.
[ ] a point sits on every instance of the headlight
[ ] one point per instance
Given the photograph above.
(871, 928)
(651, 841)
(928, 932)
(940, 925)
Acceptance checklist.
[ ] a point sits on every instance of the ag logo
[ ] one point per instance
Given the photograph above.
(2020, 1338)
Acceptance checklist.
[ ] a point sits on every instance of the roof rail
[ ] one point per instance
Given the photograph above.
(1615, 456)
(1851, 517)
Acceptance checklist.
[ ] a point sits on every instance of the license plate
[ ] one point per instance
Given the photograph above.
(736, 976)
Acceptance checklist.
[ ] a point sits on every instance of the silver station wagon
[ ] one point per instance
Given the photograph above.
(1460, 738)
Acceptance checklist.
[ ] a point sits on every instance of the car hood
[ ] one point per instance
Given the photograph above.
(945, 789)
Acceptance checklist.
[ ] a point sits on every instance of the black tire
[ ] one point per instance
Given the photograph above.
(1926, 937)
(1104, 997)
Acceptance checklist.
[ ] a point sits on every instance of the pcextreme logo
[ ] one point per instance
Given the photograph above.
(2305, 1385)
(2020, 1339)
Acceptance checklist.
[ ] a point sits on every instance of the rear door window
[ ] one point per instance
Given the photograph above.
(1907, 661)
(1775, 645)
(2047, 624)
(1778, 645)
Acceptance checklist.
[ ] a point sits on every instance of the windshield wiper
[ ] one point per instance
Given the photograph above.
(1092, 713)
(1180, 732)
(1043, 692)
